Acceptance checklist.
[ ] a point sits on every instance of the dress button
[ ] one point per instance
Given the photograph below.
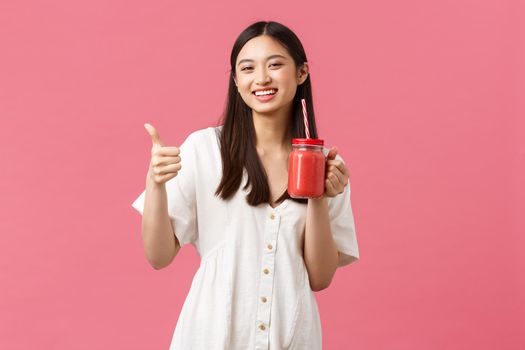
(272, 216)
(262, 327)
(269, 247)
(264, 300)
(266, 271)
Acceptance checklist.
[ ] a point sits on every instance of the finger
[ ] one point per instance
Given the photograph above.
(167, 169)
(332, 153)
(166, 160)
(170, 151)
(339, 169)
(329, 186)
(338, 164)
(155, 138)
(335, 183)
(337, 177)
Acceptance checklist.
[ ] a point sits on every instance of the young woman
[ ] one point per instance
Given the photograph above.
(263, 253)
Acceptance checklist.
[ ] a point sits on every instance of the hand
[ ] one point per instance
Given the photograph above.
(165, 161)
(336, 177)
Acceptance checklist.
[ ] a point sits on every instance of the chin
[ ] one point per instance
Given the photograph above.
(266, 109)
(269, 107)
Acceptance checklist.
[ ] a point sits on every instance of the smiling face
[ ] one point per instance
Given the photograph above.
(264, 64)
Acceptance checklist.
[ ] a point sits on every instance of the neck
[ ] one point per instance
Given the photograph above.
(273, 131)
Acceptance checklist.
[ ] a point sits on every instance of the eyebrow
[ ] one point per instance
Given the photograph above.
(267, 58)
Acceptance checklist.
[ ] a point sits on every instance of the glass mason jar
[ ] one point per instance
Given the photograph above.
(306, 168)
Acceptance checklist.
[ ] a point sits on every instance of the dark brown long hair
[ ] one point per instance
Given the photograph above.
(237, 136)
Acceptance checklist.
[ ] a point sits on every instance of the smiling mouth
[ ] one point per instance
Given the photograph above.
(269, 92)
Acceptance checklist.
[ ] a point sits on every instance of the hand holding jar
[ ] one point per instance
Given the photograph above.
(336, 175)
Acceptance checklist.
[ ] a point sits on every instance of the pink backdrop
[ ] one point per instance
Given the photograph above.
(425, 101)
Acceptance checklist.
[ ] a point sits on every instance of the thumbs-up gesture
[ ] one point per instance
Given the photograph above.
(336, 177)
(165, 161)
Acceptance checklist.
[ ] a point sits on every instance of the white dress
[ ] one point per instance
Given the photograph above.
(251, 290)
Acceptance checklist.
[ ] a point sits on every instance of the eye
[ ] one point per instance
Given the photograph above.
(276, 64)
(246, 68)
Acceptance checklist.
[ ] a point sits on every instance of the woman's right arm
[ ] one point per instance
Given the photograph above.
(160, 243)
(158, 235)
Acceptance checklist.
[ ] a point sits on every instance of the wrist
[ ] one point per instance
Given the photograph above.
(317, 201)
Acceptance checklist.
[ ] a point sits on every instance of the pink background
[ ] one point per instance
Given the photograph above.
(425, 101)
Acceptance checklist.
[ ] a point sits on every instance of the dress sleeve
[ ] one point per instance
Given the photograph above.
(342, 225)
(181, 195)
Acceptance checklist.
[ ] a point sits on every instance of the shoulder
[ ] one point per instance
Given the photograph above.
(203, 145)
(204, 134)
(202, 138)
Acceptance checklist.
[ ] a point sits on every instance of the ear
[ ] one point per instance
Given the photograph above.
(302, 75)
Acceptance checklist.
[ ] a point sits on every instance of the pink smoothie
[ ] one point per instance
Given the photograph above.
(306, 170)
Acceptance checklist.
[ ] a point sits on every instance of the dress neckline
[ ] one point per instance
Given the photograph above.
(280, 207)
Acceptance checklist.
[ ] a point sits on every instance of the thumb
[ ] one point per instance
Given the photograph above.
(155, 138)
(332, 153)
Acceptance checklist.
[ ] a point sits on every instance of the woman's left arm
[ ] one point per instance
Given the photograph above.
(320, 251)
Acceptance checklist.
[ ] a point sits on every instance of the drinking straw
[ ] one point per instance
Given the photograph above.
(303, 102)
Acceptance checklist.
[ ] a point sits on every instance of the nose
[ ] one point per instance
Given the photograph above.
(263, 78)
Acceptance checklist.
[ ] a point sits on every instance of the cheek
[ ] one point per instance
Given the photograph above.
(243, 85)
(288, 91)
(287, 80)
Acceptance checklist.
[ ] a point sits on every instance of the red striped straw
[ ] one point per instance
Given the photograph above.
(303, 102)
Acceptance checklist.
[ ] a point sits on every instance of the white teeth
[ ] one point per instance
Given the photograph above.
(266, 92)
